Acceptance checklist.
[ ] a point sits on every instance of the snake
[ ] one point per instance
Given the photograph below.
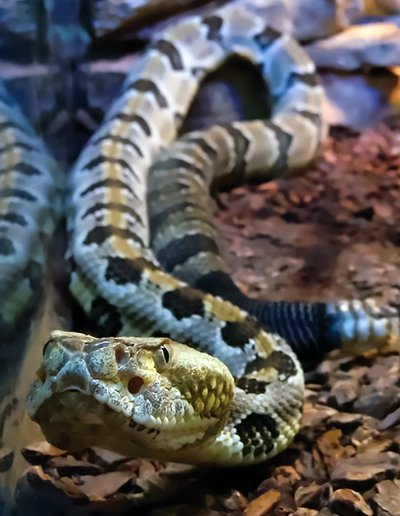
(30, 194)
(191, 375)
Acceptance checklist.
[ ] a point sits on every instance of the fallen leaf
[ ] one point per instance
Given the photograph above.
(264, 503)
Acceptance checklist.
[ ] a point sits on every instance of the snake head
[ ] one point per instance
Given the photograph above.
(138, 396)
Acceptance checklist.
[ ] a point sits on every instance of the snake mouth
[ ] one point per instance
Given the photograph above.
(74, 420)
(81, 390)
(138, 427)
(73, 389)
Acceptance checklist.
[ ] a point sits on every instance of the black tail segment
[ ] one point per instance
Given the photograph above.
(311, 329)
(308, 327)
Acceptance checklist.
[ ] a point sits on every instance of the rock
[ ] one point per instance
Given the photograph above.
(376, 403)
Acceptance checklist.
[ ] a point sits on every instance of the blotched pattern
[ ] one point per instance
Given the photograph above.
(154, 397)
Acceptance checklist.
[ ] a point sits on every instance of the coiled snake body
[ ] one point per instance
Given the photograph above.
(152, 396)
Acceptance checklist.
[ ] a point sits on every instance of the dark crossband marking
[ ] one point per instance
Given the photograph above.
(113, 206)
(310, 79)
(118, 139)
(169, 50)
(123, 271)
(132, 119)
(266, 37)
(241, 146)
(14, 218)
(6, 246)
(214, 24)
(22, 168)
(313, 117)
(291, 409)
(106, 160)
(251, 385)
(219, 283)
(237, 334)
(284, 140)
(107, 317)
(10, 125)
(157, 189)
(208, 150)
(278, 360)
(200, 214)
(183, 303)
(18, 193)
(17, 145)
(109, 183)
(147, 86)
(100, 234)
(175, 163)
(283, 363)
(178, 251)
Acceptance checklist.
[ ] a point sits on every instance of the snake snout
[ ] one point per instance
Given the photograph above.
(74, 376)
(73, 384)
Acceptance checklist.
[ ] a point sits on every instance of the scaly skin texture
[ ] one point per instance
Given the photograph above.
(97, 391)
(114, 275)
(151, 397)
(30, 205)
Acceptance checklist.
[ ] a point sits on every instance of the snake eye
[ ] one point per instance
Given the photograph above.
(165, 352)
(162, 357)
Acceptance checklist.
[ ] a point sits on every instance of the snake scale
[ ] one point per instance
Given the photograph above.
(30, 202)
(235, 395)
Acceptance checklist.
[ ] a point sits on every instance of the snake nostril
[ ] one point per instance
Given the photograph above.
(135, 384)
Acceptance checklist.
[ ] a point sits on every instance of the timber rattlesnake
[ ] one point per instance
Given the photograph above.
(150, 396)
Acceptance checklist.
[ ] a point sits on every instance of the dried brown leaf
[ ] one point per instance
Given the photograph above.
(346, 501)
(365, 468)
(262, 504)
(312, 495)
(38, 452)
(99, 487)
(330, 448)
(387, 496)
